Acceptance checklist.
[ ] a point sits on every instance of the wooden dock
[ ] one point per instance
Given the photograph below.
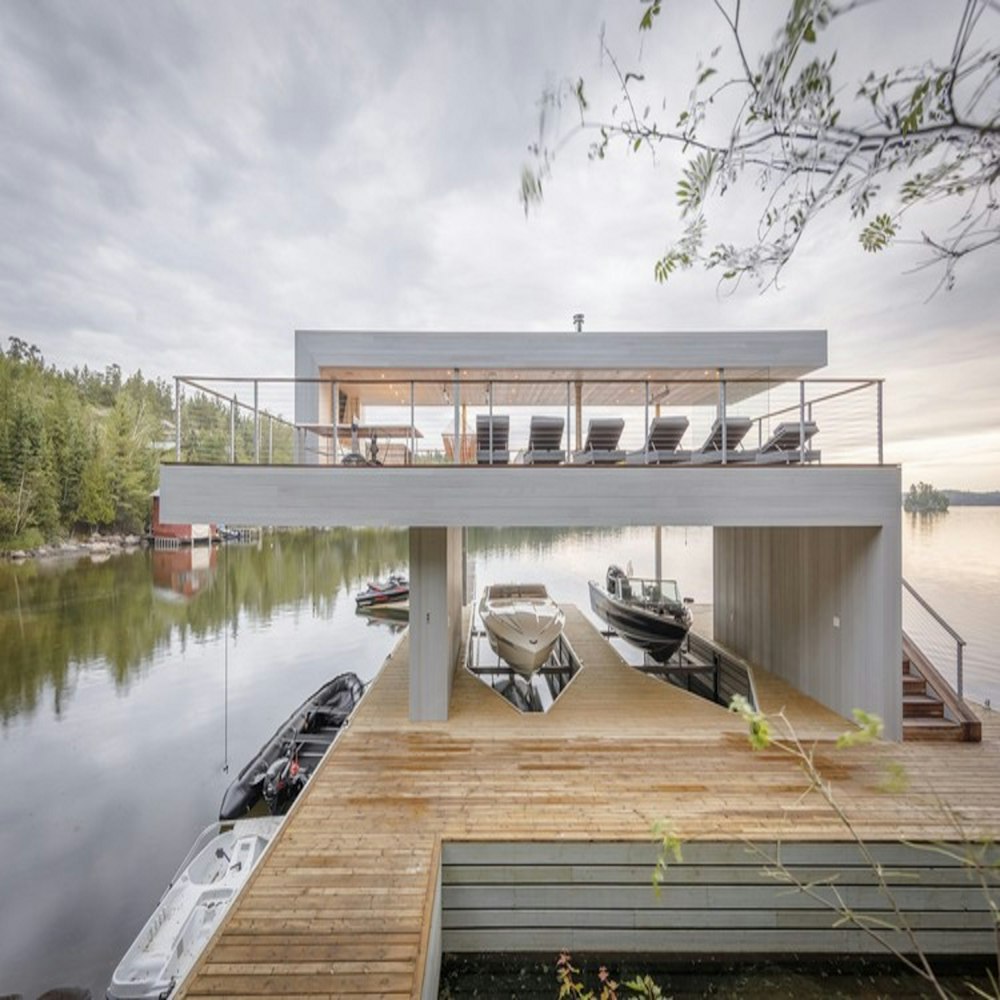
(343, 903)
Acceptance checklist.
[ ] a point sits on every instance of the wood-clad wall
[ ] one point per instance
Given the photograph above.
(820, 607)
(544, 897)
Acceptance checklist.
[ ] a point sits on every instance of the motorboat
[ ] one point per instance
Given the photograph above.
(283, 765)
(522, 622)
(188, 913)
(647, 613)
(396, 588)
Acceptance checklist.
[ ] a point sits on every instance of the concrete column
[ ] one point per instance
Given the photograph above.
(435, 619)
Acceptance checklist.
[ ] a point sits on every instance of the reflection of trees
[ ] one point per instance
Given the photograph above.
(532, 541)
(56, 619)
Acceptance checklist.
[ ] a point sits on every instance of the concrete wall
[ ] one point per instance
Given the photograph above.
(435, 619)
(818, 606)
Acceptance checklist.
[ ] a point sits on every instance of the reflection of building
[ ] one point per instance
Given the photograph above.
(180, 574)
(180, 534)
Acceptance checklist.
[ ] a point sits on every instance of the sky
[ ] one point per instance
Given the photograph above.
(182, 185)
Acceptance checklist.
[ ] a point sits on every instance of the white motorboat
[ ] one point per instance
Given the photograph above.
(189, 912)
(522, 622)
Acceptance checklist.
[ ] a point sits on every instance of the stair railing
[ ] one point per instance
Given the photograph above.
(955, 637)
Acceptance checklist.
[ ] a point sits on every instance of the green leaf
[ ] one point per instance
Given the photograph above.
(706, 73)
(809, 34)
(878, 233)
(637, 144)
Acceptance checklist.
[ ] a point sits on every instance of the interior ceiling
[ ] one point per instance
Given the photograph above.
(674, 387)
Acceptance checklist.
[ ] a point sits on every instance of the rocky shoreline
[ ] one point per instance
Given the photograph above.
(96, 545)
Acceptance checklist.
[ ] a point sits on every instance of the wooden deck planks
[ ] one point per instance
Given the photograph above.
(340, 905)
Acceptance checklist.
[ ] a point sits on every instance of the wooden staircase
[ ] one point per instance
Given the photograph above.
(931, 709)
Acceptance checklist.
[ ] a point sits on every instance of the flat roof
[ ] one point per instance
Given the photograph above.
(533, 368)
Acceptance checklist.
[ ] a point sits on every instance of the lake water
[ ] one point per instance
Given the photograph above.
(133, 690)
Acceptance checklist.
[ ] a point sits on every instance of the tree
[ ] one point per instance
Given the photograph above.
(894, 144)
(922, 498)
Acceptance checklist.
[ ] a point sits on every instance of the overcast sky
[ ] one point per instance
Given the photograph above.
(182, 185)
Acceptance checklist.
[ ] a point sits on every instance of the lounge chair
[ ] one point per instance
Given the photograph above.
(789, 443)
(492, 442)
(545, 441)
(664, 436)
(601, 446)
(711, 451)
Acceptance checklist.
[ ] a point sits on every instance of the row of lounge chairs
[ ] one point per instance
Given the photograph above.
(789, 443)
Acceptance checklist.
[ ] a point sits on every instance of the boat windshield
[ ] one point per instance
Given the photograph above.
(655, 591)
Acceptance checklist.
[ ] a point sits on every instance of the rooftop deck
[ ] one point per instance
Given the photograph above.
(342, 904)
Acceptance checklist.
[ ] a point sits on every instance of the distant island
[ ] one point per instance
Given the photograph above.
(967, 498)
(922, 498)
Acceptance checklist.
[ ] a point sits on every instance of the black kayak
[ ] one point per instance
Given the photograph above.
(283, 765)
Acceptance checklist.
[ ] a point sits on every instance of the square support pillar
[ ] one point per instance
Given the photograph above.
(435, 619)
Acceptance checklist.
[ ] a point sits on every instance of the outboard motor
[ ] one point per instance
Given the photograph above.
(282, 783)
(615, 573)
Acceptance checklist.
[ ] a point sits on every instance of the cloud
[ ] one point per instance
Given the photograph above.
(185, 184)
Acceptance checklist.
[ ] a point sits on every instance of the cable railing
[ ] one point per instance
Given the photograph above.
(934, 637)
(527, 420)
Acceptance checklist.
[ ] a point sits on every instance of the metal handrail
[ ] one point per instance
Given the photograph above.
(960, 643)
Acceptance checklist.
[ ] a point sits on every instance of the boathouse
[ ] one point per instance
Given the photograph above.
(445, 821)
(807, 553)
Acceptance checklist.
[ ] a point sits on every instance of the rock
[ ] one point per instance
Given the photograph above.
(18, 555)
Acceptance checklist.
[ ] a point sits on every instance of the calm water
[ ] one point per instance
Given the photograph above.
(128, 687)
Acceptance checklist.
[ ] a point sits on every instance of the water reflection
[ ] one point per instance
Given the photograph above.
(57, 619)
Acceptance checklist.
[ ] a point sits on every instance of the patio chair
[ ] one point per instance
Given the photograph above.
(711, 451)
(601, 446)
(789, 443)
(545, 441)
(492, 440)
(664, 436)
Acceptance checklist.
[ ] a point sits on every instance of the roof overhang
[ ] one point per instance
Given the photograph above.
(531, 368)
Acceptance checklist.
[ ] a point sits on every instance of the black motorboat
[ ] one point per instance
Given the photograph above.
(647, 613)
(284, 764)
(396, 588)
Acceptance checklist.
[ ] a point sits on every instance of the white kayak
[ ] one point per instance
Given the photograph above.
(522, 622)
(190, 910)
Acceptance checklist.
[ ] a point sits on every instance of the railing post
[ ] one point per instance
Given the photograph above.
(270, 439)
(335, 419)
(878, 408)
(177, 419)
(413, 424)
(722, 412)
(646, 445)
(958, 667)
(256, 423)
(456, 451)
(802, 421)
(232, 430)
(569, 401)
(489, 387)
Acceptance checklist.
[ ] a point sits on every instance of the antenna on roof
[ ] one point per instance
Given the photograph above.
(578, 322)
